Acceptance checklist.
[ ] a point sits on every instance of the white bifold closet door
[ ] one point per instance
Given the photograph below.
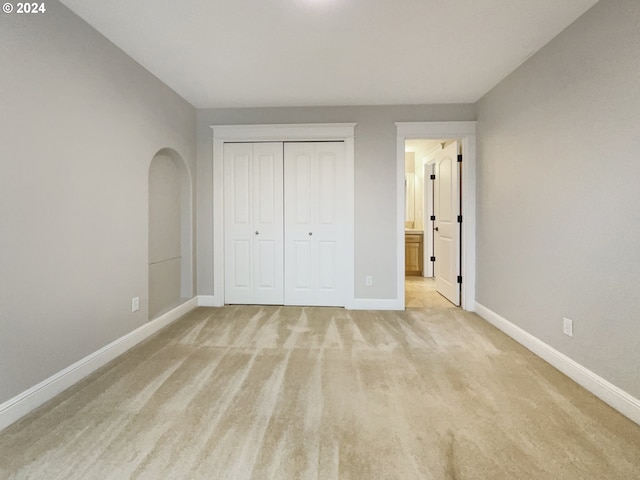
(253, 223)
(314, 224)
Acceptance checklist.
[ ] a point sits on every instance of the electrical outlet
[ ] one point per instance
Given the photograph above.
(368, 280)
(135, 304)
(567, 326)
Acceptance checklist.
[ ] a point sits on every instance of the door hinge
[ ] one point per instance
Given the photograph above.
(460, 157)
(459, 218)
(459, 279)
(433, 176)
(433, 259)
(433, 218)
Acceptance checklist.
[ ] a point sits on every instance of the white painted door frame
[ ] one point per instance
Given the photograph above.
(466, 133)
(309, 132)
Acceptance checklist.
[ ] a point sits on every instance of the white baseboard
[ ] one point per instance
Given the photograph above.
(375, 304)
(208, 301)
(27, 401)
(622, 401)
(356, 304)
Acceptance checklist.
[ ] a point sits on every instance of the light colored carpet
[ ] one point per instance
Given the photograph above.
(324, 393)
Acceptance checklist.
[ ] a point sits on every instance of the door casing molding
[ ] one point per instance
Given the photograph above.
(466, 133)
(309, 132)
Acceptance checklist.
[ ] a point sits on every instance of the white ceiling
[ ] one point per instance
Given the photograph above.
(238, 53)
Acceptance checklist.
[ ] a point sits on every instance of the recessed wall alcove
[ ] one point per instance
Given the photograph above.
(170, 232)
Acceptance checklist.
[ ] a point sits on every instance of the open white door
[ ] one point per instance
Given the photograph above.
(446, 227)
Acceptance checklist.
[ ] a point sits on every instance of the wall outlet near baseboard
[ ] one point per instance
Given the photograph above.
(135, 304)
(368, 280)
(567, 326)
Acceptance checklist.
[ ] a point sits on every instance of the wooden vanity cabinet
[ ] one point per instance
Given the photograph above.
(413, 254)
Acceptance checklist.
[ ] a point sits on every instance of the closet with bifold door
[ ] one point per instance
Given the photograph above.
(284, 223)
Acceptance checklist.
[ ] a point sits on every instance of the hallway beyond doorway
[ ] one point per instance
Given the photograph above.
(421, 292)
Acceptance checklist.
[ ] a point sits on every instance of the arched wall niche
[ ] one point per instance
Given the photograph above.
(170, 232)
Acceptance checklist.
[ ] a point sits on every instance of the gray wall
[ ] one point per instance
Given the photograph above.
(80, 124)
(375, 180)
(558, 202)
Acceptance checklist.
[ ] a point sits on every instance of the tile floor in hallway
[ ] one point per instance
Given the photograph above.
(421, 292)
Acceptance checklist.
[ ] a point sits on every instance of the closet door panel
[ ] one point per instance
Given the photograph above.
(299, 248)
(302, 282)
(241, 254)
(300, 174)
(327, 267)
(330, 226)
(238, 213)
(268, 223)
(327, 194)
(313, 223)
(253, 196)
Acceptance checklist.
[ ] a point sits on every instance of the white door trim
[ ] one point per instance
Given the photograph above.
(466, 133)
(342, 132)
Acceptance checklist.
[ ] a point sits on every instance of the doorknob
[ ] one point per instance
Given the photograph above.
(310, 233)
(257, 232)
(435, 228)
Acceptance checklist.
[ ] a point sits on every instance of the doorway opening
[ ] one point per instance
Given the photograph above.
(432, 220)
(450, 236)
